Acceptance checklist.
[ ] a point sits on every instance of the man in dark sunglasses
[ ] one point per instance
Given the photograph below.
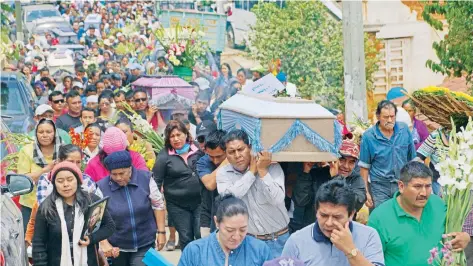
(56, 100)
(153, 115)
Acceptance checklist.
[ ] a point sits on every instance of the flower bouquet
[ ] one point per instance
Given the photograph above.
(143, 128)
(184, 46)
(12, 141)
(139, 146)
(80, 140)
(358, 127)
(438, 104)
(456, 177)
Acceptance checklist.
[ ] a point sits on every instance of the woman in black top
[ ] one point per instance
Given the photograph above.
(60, 222)
(175, 169)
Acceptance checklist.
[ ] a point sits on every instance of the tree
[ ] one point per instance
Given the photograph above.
(454, 52)
(308, 41)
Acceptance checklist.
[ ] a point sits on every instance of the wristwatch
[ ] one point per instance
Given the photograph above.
(352, 253)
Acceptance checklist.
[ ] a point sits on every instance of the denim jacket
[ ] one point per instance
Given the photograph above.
(207, 251)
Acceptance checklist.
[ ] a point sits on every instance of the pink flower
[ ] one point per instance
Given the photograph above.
(166, 56)
(178, 53)
(434, 252)
(430, 260)
(448, 245)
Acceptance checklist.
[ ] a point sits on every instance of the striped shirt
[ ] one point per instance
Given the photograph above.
(45, 187)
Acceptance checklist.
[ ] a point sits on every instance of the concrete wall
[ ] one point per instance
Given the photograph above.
(395, 20)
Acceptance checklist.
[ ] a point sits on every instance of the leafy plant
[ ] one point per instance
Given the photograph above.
(5, 9)
(454, 52)
(309, 43)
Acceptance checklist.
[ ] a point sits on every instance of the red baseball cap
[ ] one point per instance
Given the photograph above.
(349, 148)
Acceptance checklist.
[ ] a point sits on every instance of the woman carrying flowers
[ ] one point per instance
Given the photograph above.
(137, 144)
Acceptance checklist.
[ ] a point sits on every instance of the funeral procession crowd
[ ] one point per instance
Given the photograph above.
(129, 154)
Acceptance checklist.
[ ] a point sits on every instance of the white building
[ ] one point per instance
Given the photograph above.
(407, 43)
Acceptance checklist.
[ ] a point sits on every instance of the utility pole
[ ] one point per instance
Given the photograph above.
(354, 60)
(19, 22)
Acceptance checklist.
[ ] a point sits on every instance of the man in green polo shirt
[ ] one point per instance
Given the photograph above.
(413, 221)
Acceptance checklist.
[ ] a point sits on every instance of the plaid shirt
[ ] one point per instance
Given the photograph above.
(468, 225)
(45, 187)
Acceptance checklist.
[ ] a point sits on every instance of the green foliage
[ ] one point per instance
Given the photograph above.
(4, 10)
(309, 42)
(454, 52)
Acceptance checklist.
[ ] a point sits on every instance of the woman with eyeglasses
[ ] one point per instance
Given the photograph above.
(105, 106)
(37, 158)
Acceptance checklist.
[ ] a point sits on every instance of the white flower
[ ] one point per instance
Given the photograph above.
(458, 173)
(466, 169)
(446, 180)
(461, 185)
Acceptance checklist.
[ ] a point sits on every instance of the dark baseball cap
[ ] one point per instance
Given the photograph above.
(116, 76)
(205, 128)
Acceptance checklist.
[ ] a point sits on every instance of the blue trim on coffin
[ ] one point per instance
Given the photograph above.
(251, 125)
(300, 128)
(228, 120)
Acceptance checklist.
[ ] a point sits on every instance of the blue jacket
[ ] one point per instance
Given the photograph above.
(207, 251)
(131, 210)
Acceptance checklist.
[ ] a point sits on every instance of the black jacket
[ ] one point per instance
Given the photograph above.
(306, 188)
(47, 239)
(180, 180)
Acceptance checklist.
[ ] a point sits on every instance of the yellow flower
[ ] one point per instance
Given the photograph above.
(150, 164)
(463, 96)
(430, 89)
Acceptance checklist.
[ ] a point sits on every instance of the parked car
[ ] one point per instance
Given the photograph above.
(13, 249)
(17, 101)
(30, 13)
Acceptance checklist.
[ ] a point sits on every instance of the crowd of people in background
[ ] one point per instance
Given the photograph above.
(225, 203)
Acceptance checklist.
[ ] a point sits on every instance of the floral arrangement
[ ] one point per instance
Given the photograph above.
(456, 177)
(443, 257)
(80, 140)
(143, 128)
(184, 45)
(359, 126)
(10, 161)
(439, 104)
(139, 146)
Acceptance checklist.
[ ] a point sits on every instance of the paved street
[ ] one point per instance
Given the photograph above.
(172, 256)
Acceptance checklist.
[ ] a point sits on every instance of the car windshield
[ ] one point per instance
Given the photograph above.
(41, 29)
(11, 103)
(45, 13)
